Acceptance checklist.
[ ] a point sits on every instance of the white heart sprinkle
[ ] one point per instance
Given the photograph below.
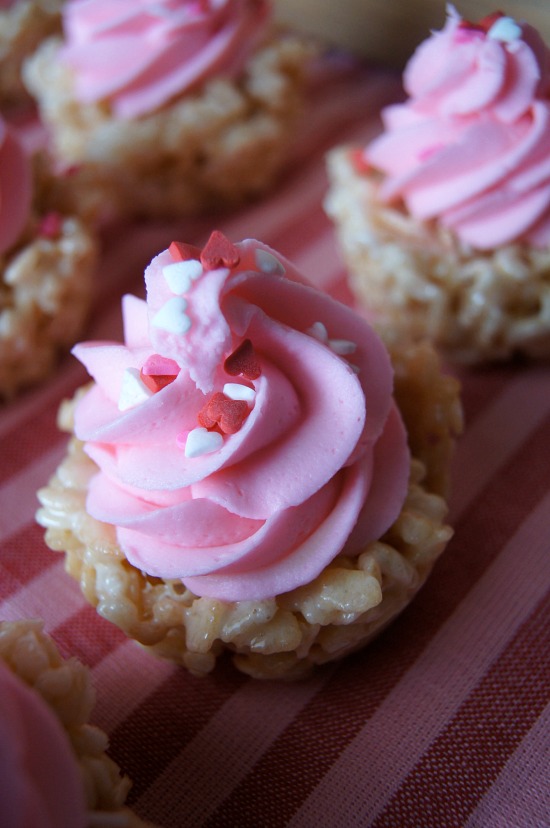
(268, 263)
(179, 275)
(238, 391)
(318, 331)
(133, 390)
(505, 29)
(201, 441)
(172, 317)
(342, 347)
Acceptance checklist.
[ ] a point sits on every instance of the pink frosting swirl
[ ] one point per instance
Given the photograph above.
(15, 187)
(246, 431)
(139, 54)
(471, 145)
(41, 782)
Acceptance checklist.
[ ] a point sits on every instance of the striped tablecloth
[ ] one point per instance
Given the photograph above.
(443, 720)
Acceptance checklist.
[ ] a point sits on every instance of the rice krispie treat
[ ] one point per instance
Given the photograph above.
(444, 219)
(46, 266)
(24, 24)
(190, 106)
(240, 478)
(55, 771)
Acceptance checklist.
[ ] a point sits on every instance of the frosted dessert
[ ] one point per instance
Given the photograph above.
(55, 771)
(46, 266)
(191, 106)
(24, 24)
(444, 218)
(240, 475)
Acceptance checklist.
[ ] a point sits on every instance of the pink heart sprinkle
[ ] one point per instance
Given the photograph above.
(182, 252)
(219, 252)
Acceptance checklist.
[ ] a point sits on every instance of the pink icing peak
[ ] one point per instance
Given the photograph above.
(140, 54)
(15, 187)
(468, 147)
(246, 472)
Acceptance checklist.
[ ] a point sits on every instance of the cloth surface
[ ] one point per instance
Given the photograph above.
(444, 719)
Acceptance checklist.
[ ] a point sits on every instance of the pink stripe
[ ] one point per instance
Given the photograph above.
(452, 776)
(226, 749)
(22, 558)
(417, 710)
(519, 797)
(19, 503)
(456, 574)
(87, 636)
(167, 720)
(497, 433)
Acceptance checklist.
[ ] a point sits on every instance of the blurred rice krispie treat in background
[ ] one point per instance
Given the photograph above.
(243, 478)
(47, 261)
(24, 24)
(55, 771)
(444, 219)
(190, 106)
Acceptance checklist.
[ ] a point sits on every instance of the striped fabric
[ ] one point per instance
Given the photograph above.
(443, 721)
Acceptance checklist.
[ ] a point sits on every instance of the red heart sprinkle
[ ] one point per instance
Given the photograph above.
(222, 412)
(156, 382)
(50, 226)
(219, 252)
(182, 252)
(359, 161)
(484, 24)
(243, 361)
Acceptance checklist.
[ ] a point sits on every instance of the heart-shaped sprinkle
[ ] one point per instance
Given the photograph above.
(222, 412)
(268, 263)
(505, 29)
(318, 331)
(133, 390)
(172, 317)
(180, 275)
(157, 364)
(219, 252)
(342, 347)
(359, 161)
(484, 24)
(243, 361)
(181, 252)
(51, 225)
(238, 391)
(199, 441)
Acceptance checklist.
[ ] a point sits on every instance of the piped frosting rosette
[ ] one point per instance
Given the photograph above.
(471, 145)
(41, 782)
(139, 54)
(246, 431)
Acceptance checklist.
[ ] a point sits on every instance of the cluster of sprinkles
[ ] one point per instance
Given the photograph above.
(225, 411)
(496, 26)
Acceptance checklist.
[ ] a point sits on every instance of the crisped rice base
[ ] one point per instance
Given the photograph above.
(22, 28)
(45, 293)
(284, 637)
(216, 148)
(66, 688)
(420, 281)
